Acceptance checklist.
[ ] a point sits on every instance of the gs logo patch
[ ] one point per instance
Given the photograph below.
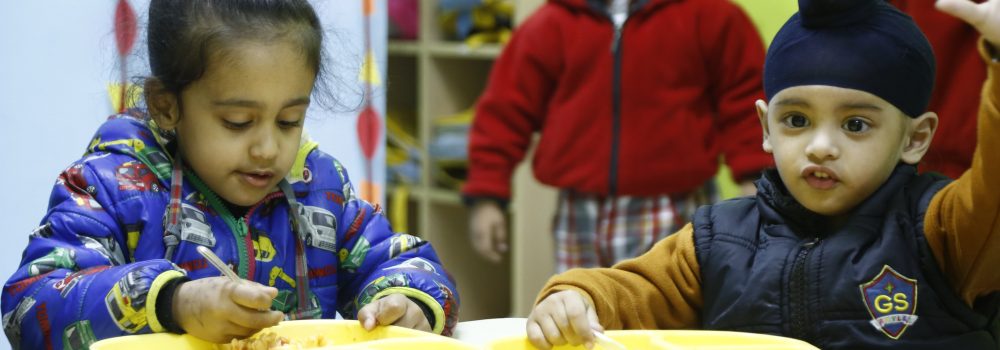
(891, 299)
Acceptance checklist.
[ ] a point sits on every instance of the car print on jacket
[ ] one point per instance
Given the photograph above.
(152, 157)
(12, 320)
(78, 336)
(194, 226)
(400, 243)
(135, 176)
(80, 191)
(319, 227)
(126, 301)
(58, 258)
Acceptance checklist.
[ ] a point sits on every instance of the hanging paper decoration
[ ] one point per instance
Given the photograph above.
(369, 125)
(125, 28)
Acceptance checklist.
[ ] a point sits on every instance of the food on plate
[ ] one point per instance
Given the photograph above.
(271, 341)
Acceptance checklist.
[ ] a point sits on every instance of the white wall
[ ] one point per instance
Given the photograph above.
(56, 58)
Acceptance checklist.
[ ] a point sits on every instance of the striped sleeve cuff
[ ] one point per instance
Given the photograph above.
(155, 323)
(432, 309)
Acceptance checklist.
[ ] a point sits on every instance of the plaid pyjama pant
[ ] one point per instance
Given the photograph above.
(599, 231)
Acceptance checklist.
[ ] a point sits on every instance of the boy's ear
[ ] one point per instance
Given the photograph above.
(918, 141)
(761, 108)
(162, 104)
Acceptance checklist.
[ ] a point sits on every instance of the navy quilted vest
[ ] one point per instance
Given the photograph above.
(768, 265)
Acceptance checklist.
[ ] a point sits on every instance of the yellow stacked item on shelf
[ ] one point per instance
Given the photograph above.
(477, 22)
(319, 334)
(402, 158)
(448, 148)
(402, 152)
(674, 340)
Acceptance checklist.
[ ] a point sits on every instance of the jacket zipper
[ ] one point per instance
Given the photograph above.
(248, 240)
(798, 294)
(239, 227)
(616, 78)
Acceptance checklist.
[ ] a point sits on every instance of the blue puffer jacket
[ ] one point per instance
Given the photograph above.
(94, 267)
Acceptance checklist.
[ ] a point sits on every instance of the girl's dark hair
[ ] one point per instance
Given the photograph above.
(183, 34)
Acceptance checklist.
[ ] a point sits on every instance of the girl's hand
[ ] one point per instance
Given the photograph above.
(562, 318)
(985, 16)
(394, 309)
(218, 309)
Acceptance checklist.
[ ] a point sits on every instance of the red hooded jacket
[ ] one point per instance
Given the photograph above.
(960, 77)
(645, 110)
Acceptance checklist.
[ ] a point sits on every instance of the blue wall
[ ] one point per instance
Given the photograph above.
(58, 57)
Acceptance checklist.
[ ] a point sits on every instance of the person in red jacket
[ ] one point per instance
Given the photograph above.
(960, 76)
(635, 102)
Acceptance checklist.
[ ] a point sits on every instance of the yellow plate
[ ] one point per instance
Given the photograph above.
(675, 340)
(338, 332)
(440, 343)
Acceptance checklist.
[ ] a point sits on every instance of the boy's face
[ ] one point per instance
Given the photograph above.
(240, 124)
(834, 147)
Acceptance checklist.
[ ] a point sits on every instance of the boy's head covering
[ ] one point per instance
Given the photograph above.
(865, 45)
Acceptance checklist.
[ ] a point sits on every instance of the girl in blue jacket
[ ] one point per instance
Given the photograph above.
(218, 159)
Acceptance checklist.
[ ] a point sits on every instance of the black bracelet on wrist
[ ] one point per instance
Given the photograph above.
(165, 305)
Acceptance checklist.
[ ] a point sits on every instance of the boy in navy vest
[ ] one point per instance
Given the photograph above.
(845, 246)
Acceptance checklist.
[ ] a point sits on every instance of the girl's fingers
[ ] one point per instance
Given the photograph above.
(414, 319)
(383, 311)
(253, 295)
(390, 309)
(254, 319)
(367, 316)
(238, 330)
(367, 321)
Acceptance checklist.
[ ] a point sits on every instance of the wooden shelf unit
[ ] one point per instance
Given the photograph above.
(431, 78)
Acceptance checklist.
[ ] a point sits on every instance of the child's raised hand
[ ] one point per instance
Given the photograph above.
(395, 309)
(218, 309)
(566, 317)
(985, 16)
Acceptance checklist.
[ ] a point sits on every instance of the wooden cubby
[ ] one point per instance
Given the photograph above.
(431, 78)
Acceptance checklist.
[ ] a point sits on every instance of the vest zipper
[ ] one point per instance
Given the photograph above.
(798, 295)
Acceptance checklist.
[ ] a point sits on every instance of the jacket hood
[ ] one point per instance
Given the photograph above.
(134, 134)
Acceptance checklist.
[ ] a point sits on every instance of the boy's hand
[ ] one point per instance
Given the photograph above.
(562, 318)
(985, 16)
(218, 309)
(488, 230)
(394, 309)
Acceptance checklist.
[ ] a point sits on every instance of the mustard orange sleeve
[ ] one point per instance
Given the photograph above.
(657, 290)
(962, 224)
